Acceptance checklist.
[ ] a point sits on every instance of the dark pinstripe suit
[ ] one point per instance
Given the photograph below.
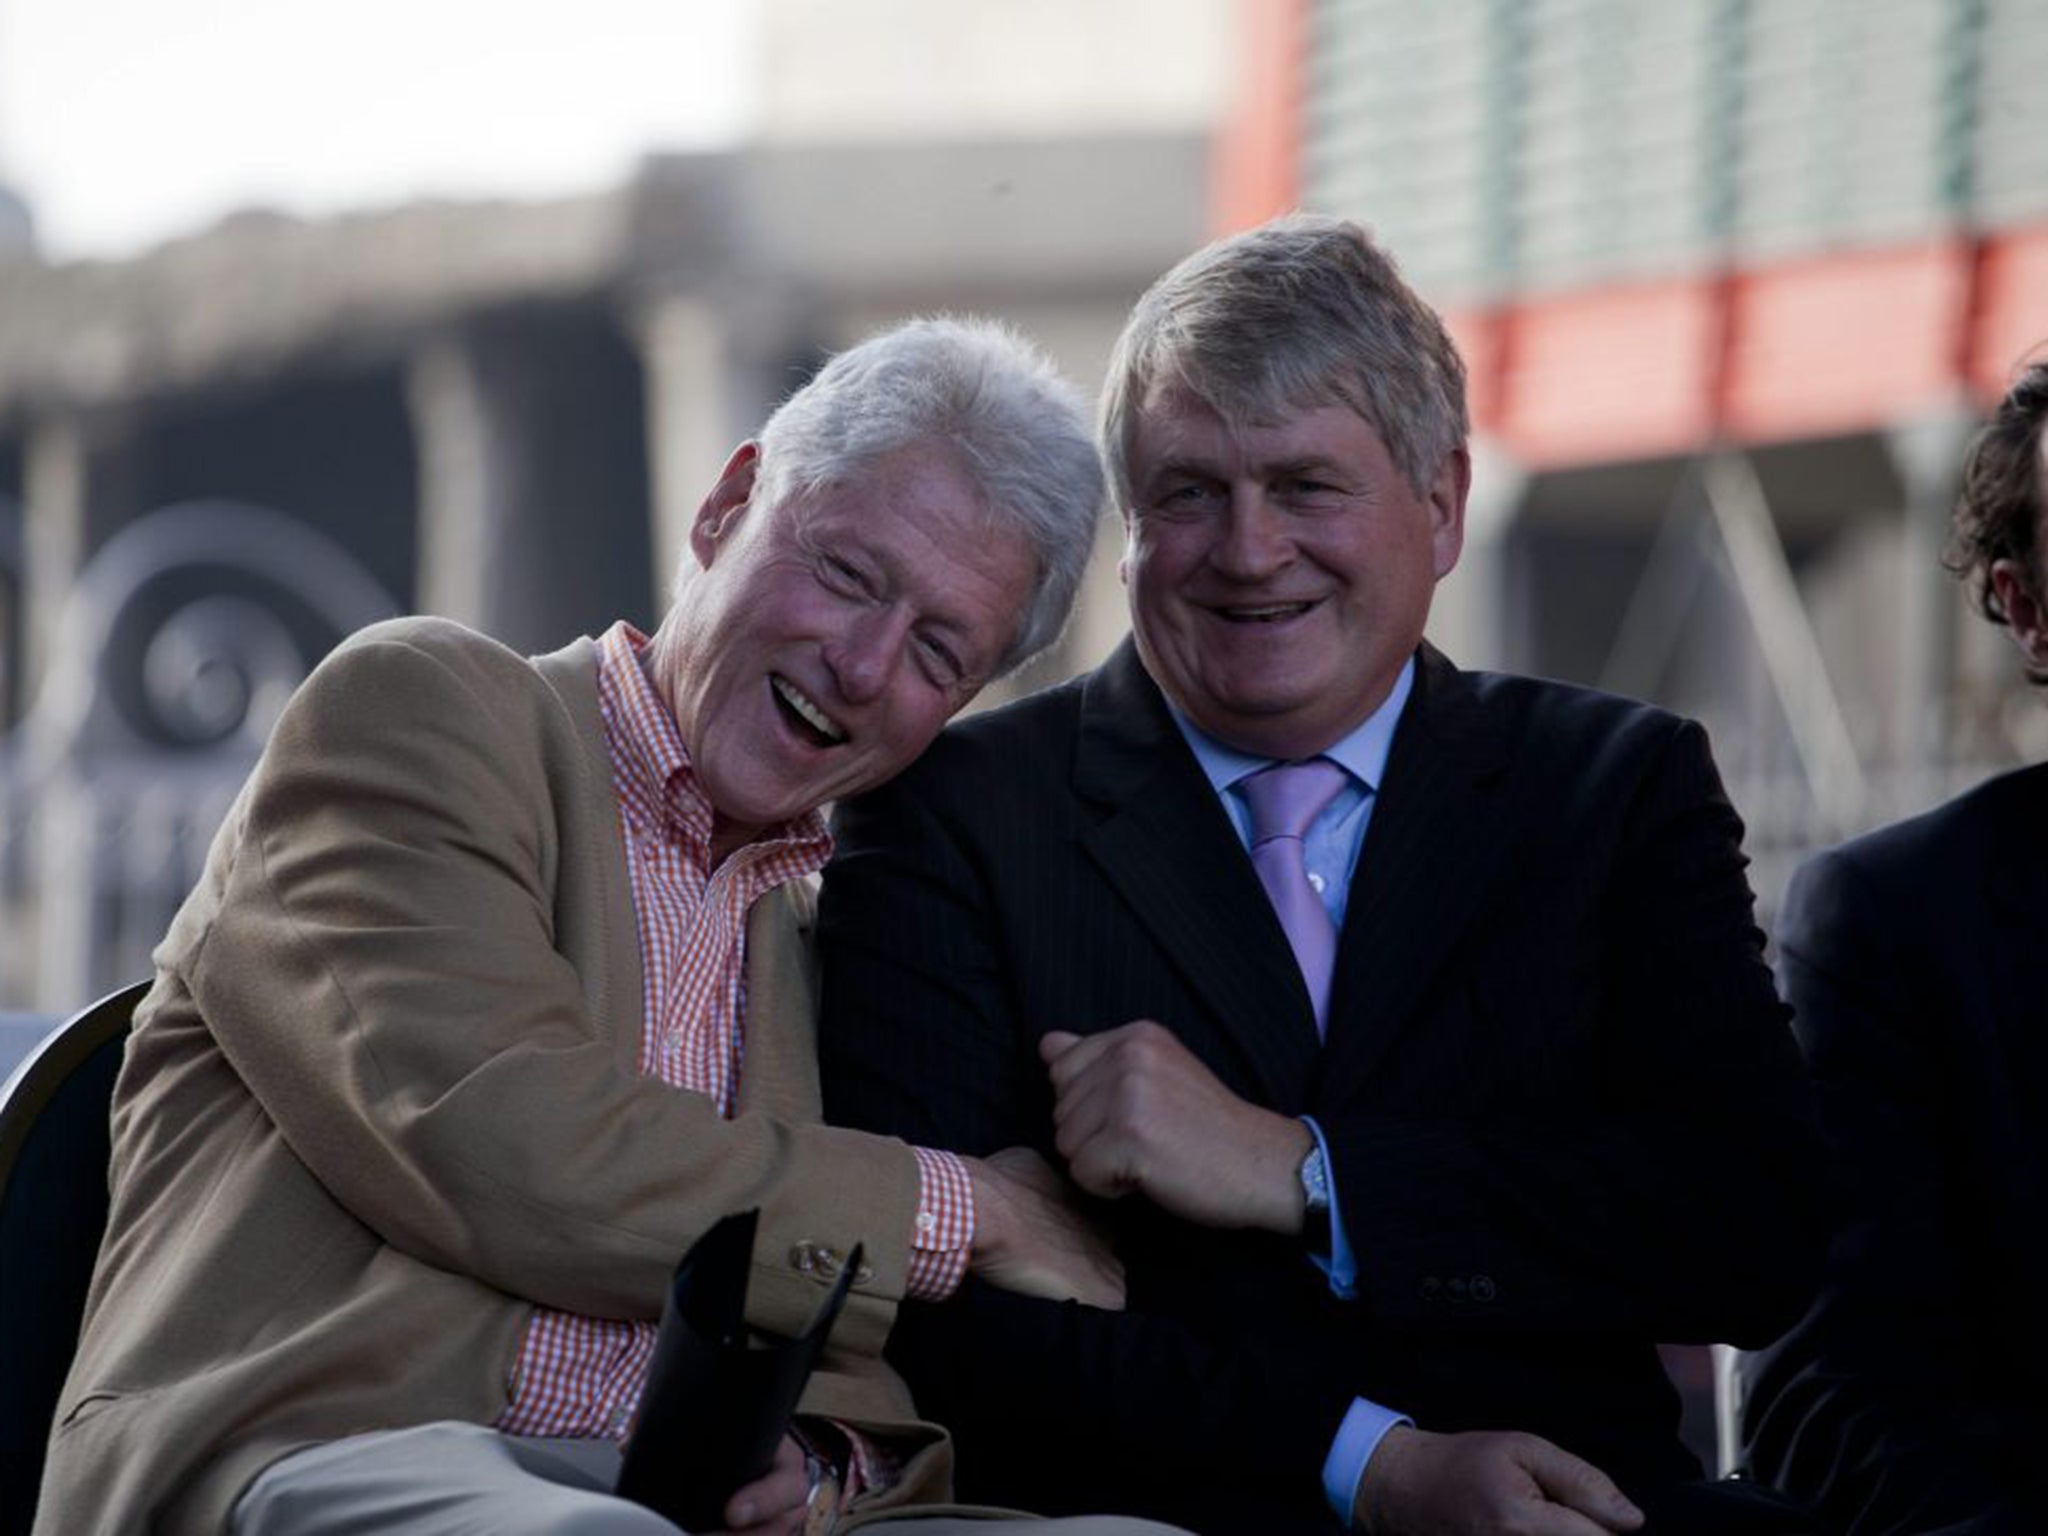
(1565, 1115)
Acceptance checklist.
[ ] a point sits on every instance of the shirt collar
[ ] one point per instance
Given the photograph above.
(1362, 752)
(651, 767)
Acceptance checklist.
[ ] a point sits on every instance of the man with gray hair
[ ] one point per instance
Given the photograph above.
(1411, 1024)
(495, 995)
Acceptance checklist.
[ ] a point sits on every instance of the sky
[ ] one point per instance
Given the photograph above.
(126, 122)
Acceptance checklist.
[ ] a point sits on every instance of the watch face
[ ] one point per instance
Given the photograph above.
(821, 1509)
(1315, 1180)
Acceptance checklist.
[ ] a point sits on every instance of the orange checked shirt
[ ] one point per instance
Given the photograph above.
(583, 1375)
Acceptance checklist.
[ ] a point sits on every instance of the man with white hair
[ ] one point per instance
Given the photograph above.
(495, 995)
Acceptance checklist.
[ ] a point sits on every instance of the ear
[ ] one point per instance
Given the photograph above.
(1123, 561)
(1446, 499)
(729, 498)
(2025, 614)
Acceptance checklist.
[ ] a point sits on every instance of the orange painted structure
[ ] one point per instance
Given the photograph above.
(1802, 347)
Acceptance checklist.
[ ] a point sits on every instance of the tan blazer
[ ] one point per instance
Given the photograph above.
(383, 1099)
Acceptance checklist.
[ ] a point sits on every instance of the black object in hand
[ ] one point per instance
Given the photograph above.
(718, 1400)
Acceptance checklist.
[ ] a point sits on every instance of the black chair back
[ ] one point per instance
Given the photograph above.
(54, 1145)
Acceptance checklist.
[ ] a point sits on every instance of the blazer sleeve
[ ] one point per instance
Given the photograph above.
(1677, 1193)
(382, 970)
(1882, 1402)
(917, 1040)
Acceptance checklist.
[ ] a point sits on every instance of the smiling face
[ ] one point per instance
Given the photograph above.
(825, 641)
(1280, 576)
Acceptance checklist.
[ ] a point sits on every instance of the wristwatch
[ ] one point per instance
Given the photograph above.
(821, 1500)
(1315, 1196)
(826, 1455)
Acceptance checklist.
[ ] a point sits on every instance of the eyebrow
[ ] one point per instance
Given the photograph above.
(1170, 468)
(1312, 463)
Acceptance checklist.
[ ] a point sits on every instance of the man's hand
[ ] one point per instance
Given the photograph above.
(776, 1502)
(1134, 1111)
(1030, 1236)
(1424, 1484)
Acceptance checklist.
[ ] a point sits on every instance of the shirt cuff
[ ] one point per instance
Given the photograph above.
(1364, 1427)
(1340, 1263)
(944, 1231)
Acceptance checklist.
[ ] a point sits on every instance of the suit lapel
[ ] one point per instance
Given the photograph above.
(2018, 860)
(1167, 846)
(617, 997)
(781, 1073)
(1434, 834)
(2015, 864)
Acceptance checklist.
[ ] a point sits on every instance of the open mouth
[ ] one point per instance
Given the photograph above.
(809, 722)
(1262, 613)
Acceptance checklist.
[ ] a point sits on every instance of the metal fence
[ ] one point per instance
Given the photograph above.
(168, 665)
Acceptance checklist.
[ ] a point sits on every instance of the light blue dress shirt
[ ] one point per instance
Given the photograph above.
(1330, 852)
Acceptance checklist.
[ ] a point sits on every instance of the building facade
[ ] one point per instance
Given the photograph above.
(1734, 280)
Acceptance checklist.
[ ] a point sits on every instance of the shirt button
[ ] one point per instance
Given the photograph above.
(1316, 882)
(927, 1222)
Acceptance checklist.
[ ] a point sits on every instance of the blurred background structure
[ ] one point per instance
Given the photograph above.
(221, 453)
(1734, 278)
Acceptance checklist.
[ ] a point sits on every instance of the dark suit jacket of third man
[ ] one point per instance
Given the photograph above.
(1910, 1398)
(1566, 1116)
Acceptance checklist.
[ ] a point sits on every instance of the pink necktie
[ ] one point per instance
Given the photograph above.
(1285, 801)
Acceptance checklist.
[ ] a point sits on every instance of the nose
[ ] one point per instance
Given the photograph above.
(866, 652)
(1253, 541)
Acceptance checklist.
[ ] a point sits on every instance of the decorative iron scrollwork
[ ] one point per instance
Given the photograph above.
(169, 663)
(186, 632)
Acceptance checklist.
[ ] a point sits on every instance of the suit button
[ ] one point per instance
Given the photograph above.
(823, 1264)
(815, 1260)
(1482, 1288)
(1457, 1288)
(1432, 1289)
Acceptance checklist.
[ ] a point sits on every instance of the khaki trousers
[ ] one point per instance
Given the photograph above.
(455, 1479)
